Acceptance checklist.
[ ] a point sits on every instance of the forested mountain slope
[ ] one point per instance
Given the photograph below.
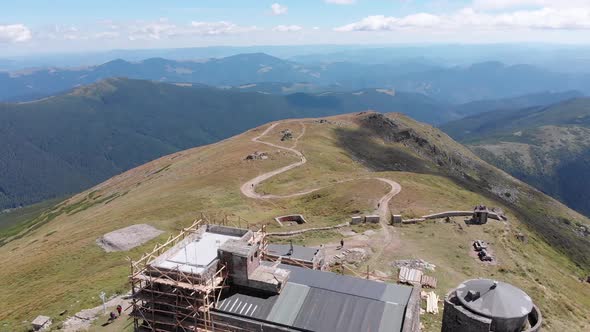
(546, 146)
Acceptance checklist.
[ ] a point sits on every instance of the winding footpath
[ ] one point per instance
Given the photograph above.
(249, 187)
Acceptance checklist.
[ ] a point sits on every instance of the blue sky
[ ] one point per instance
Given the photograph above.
(30, 26)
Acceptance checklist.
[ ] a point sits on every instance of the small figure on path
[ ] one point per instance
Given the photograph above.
(119, 309)
(341, 244)
(112, 317)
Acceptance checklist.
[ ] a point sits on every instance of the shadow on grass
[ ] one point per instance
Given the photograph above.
(363, 146)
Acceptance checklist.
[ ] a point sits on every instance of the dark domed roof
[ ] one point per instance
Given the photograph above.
(494, 299)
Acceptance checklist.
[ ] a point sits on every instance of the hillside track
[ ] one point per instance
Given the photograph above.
(248, 189)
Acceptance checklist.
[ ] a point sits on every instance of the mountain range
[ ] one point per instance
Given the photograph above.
(458, 84)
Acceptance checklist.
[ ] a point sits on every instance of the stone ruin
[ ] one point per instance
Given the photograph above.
(287, 135)
(257, 156)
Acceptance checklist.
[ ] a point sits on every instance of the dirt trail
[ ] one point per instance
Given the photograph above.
(249, 187)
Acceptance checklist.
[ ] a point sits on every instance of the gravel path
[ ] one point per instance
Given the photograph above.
(249, 188)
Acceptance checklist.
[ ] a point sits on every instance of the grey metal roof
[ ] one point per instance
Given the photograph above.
(323, 301)
(349, 285)
(325, 310)
(288, 304)
(494, 299)
(247, 305)
(299, 252)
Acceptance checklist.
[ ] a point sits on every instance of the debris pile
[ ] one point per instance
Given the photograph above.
(352, 256)
(431, 301)
(584, 230)
(414, 264)
(482, 251)
(257, 156)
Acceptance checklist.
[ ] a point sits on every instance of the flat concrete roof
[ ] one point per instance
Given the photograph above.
(194, 256)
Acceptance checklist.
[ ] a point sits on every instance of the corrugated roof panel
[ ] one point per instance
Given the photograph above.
(325, 310)
(246, 305)
(288, 304)
(346, 284)
(393, 317)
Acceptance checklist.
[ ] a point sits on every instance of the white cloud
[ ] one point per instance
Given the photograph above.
(341, 2)
(163, 29)
(218, 28)
(154, 30)
(106, 35)
(510, 4)
(544, 18)
(14, 33)
(287, 28)
(278, 9)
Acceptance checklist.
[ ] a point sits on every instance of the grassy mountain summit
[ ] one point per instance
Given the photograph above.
(56, 265)
(63, 144)
(548, 147)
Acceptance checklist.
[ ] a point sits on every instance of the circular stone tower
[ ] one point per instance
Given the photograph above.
(484, 305)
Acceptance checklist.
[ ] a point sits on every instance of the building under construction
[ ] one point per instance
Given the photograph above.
(217, 278)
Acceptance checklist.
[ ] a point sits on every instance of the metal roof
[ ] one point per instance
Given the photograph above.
(247, 305)
(323, 301)
(299, 252)
(494, 299)
(348, 285)
(325, 310)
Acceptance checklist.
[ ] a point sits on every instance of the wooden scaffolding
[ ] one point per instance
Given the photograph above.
(170, 300)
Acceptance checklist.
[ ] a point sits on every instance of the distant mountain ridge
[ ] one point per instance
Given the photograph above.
(489, 80)
(546, 146)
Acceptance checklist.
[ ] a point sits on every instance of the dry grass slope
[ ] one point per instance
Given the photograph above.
(58, 266)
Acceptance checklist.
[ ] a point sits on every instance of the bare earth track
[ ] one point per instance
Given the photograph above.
(249, 187)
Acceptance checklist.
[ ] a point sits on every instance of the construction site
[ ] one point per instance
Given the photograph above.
(219, 278)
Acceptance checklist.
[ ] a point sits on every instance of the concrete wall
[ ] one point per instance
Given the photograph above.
(374, 219)
(230, 231)
(449, 214)
(357, 220)
(535, 319)
(412, 316)
(458, 319)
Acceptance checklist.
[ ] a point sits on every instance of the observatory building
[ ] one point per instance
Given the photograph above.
(484, 305)
(224, 279)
